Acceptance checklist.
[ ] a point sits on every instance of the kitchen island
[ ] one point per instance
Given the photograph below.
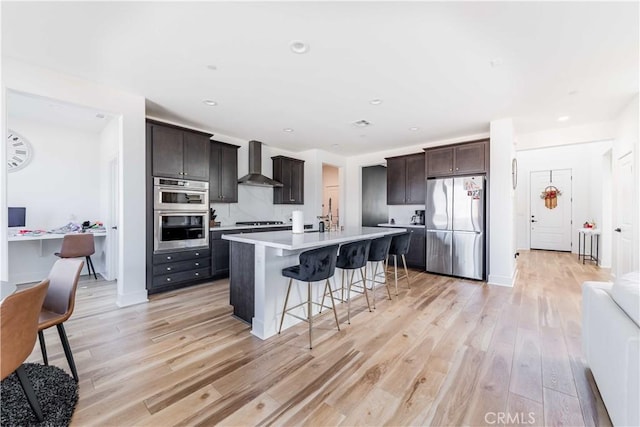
(257, 287)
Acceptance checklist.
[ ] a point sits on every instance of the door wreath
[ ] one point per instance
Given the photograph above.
(550, 196)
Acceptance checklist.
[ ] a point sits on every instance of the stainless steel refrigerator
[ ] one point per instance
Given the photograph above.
(455, 212)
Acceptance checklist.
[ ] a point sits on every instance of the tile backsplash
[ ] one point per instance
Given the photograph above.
(403, 213)
(254, 204)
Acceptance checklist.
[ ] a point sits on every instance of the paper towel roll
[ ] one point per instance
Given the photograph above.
(297, 219)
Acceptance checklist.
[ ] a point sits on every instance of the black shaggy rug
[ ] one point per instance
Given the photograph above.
(56, 390)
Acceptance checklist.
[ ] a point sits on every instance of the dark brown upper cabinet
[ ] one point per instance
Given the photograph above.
(405, 180)
(459, 159)
(179, 152)
(223, 173)
(290, 172)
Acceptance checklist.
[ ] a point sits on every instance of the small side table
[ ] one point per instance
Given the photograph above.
(582, 241)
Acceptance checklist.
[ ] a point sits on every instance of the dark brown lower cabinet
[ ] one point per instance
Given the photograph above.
(416, 257)
(172, 270)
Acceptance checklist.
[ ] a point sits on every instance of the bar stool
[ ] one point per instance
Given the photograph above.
(77, 246)
(353, 256)
(315, 265)
(378, 253)
(399, 247)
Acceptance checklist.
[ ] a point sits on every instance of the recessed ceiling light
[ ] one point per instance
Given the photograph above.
(298, 46)
(334, 145)
(572, 92)
(413, 129)
(100, 116)
(210, 102)
(563, 118)
(375, 101)
(287, 130)
(212, 67)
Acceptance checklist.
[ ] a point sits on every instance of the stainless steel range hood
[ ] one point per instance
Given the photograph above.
(255, 177)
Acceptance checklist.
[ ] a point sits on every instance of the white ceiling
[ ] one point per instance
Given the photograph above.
(54, 112)
(430, 63)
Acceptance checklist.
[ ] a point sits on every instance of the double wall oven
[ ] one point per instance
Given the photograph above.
(181, 214)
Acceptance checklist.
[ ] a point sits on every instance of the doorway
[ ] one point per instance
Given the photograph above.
(331, 193)
(551, 206)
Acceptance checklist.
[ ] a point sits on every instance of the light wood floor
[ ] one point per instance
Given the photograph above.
(445, 352)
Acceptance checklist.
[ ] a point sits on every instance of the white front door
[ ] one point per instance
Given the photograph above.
(550, 194)
(623, 220)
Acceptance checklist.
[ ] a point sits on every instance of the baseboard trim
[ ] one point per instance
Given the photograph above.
(497, 280)
(132, 299)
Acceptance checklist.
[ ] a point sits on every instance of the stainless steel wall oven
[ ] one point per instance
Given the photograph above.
(181, 214)
(178, 194)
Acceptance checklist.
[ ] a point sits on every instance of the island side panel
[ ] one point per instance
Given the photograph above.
(241, 280)
(271, 290)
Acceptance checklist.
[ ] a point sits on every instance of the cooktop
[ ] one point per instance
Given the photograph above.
(259, 223)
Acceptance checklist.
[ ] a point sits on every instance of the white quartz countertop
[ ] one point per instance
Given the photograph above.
(291, 241)
(401, 225)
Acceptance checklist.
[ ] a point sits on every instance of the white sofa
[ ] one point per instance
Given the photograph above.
(611, 344)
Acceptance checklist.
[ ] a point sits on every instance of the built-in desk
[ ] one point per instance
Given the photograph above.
(32, 256)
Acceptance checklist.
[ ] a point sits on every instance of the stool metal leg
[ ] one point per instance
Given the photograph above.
(333, 304)
(286, 301)
(406, 272)
(309, 314)
(363, 273)
(349, 298)
(395, 269)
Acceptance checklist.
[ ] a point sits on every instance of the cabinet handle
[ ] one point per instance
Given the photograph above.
(197, 253)
(197, 274)
(168, 268)
(457, 169)
(450, 170)
(168, 257)
(197, 264)
(168, 279)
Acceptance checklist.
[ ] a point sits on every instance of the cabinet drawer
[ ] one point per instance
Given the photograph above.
(182, 276)
(175, 267)
(180, 256)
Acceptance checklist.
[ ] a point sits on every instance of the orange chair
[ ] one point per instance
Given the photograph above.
(19, 326)
(77, 246)
(58, 305)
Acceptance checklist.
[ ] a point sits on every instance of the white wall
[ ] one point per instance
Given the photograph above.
(61, 183)
(501, 210)
(19, 76)
(585, 162)
(568, 135)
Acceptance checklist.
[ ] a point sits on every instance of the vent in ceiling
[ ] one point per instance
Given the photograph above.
(362, 123)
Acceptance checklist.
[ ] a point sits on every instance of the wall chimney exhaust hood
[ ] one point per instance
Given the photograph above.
(255, 177)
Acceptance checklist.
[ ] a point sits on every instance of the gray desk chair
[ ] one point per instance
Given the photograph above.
(78, 246)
